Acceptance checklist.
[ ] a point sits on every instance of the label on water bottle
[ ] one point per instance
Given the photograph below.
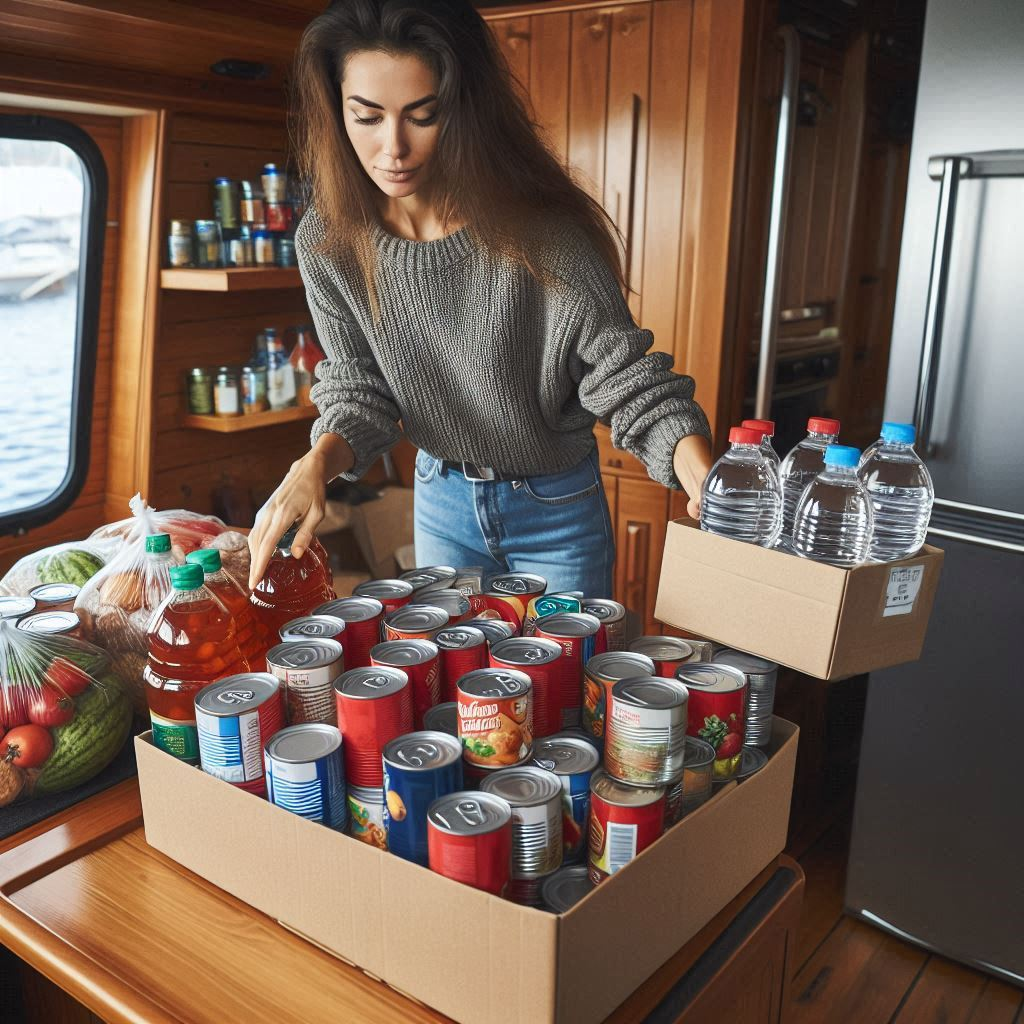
(900, 594)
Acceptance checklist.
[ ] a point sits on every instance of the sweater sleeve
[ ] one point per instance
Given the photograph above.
(351, 394)
(648, 407)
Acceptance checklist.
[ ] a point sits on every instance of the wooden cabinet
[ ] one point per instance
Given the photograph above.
(641, 517)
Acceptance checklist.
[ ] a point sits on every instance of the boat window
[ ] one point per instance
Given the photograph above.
(53, 196)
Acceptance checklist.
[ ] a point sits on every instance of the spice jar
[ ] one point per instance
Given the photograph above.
(225, 202)
(208, 246)
(179, 244)
(200, 391)
(226, 396)
(263, 247)
(254, 389)
(240, 248)
(251, 203)
(274, 184)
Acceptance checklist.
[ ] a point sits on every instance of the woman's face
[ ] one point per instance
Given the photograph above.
(390, 111)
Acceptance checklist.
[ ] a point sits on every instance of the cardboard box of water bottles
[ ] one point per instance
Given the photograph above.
(816, 618)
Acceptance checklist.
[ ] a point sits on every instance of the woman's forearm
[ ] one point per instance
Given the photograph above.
(333, 455)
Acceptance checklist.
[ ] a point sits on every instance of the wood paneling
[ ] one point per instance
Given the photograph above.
(549, 78)
(513, 36)
(641, 520)
(588, 98)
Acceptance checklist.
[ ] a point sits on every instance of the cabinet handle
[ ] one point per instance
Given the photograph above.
(515, 37)
(637, 542)
(634, 146)
(596, 25)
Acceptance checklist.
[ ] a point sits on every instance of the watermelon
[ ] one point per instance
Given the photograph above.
(71, 566)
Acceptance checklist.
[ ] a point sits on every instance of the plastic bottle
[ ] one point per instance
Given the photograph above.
(800, 467)
(191, 644)
(280, 372)
(741, 497)
(901, 492)
(767, 430)
(304, 357)
(292, 586)
(251, 634)
(834, 519)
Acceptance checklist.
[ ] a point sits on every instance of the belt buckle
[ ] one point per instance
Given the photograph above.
(481, 474)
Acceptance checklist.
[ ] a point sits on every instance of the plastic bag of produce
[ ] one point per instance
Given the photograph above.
(75, 562)
(64, 713)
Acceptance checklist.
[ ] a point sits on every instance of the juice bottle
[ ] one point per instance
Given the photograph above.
(251, 634)
(292, 586)
(191, 644)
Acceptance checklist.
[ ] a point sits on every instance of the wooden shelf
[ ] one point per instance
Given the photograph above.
(230, 279)
(233, 424)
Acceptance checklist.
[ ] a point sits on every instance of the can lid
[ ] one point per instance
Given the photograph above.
(750, 664)
(158, 543)
(423, 751)
(565, 754)
(744, 435)
(13, 607)
(621, 795)
(469, 814)
(232, 695)
(430, 576)
(663, 648)
(186, 577)
(52, 593)
(523, 786)
(452, 601)
(443, 718)
(417, 617)
(698, 753)
(842, 455)
(208, 558)
(495, 630)
(822, 425)
(520, 584)
(305, 654)
(764, 426)
(371, 682)
(526, 650)
(383, 588)
(569, 624)
(328, 626)
(566, 887)
(352, 609)
(650, 692)
(298, 744)
(52, 623)
(603, 609)
(397, 653)
(711, 678)
(495, 682)
(459, 637)
(616, 665)
(752, 759)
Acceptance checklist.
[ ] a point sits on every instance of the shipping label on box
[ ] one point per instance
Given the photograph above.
(903, 587)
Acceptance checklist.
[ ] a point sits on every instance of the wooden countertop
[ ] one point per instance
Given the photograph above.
(137, 938)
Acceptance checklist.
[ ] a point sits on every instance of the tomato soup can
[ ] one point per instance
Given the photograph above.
(62, 624)
(462, 650)
(581, 637)
(549, 604)
(374, 706)
(573, 761)
(645, 739)
(496, 717)
(565, 888)
(366, 815)
(434, 577)
(624, 821)
(443, 718)
(319, 627)
(535, 796)
(305, 773)
(15, 608)
(414, 622)
(418, 659)
(612, 616)
(392, 594)
(761, 679)
(307, 670)
(495, 629)
(718, 711)
(418, 768)
(55, 597)
(469, 839)
(667, 653)
(362, 617)
(541, 660)
(235, 719)
(601, 673)
(454, 602)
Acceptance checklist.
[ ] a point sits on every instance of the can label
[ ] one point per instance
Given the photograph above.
(547, 604)
(407, 798)
(618, 834)
(495, 732)
(541, 820)
(366, 820)
(309, 694)
(311, 789)
(719, 719)
(575, 811)
(230, 748)
(177, 738)
(597, 693)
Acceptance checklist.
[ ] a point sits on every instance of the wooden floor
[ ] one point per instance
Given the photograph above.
(848, 971)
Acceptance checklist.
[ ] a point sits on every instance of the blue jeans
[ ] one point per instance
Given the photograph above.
(556, 525)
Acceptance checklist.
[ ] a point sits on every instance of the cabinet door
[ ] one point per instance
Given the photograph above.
(588, 98)
(640, 539)
(513, 38)
(549, 78)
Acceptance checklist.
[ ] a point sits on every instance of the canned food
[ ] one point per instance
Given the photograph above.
(305, 773)
(600, 674)
(703, 650)
(179, 244)
(573, 760)
(509, 593)
(65, 624)
(418, 659)
(225, 202)
(16, 607)
(535, 797)
(443, 718)
(548, 604)
(374, 706)
(624, 821)
(319, 627)
(646, 738)
(275, 184)
(366, 815)
(698, 772)
(469, 581)
(761, 679)
(752, 760)
(469, 839)
(279, 217)
(454, 602)
(495, 630)
(240, 252)
(200, 391)
(235, 718)
(362, 617)
(251, 203)
(418, 768)
(580, 637)
(612, 615)
(462, 649)
(433, 577)
(673, 804)
(227, 397)
(718, 697)
(254, 389)
(495, 717)
(392, 594)
(55, 597)
(414, 622)
(307, 670)
(207, 243)
(541, 660)
(263, 248)
(565, 888)
(667, 653)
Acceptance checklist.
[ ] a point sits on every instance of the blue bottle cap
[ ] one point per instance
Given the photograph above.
(900, 433)
(842, 455)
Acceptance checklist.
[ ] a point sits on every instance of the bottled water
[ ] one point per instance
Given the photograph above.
(834, 518)
(741, 497)
(901, 492)
(800, 467)
(766, 428)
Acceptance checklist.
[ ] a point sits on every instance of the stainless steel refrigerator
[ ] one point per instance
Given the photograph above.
(938, 839)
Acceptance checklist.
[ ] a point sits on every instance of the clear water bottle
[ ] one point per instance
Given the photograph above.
(767, 430)
(741, 497)
(901, 492)
(834, 519)
(800, 467)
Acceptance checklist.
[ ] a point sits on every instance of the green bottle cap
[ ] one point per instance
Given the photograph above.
(186, 577)
(208, 558)
(158, 543)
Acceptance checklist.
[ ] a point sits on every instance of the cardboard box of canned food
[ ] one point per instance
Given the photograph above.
(468, 954)
(819, 619)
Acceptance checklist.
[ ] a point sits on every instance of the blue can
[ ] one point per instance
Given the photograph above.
(573, 760)
(305, 773)
(419, 767)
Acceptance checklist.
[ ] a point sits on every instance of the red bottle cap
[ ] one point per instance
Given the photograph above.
(765, 426)
(743, 435)
(821, 425)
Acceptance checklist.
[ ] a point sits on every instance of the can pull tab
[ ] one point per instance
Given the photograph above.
(470, 812)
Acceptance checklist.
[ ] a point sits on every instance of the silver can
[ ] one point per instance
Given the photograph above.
(434, 577)
(646, 736)
(600, 674)
(566, 887)
(413, 622)
(305, 773)
(443, 718)
(573, 760)
(495, 630)
(307, 670)
(313, 627)
(391, 593)
(454, 602)
(516, 584)
(179, 244)
(667, 652)
(762, 676)
(612, 615)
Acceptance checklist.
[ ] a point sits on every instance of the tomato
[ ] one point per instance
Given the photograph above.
(50, 707)
(27, 746)
(13, 705)
(67, 677)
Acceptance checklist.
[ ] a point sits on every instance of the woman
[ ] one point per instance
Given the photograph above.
(462, 284)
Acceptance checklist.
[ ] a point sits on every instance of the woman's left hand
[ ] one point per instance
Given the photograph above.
(692, 463)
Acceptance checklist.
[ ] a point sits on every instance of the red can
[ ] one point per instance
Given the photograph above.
(462, 649)
(362, 617)
(624, 821)
(318, 627)
(392, 594)
(509, 593)
(717, 711)
(496, 717)
(541, 660)
(667, 652)
(419, 660)
(374, 706)
(454, 602)
(469, 839)
(580, 636)
(414, 622)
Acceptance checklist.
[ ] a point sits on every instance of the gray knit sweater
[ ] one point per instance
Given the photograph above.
(482, 364)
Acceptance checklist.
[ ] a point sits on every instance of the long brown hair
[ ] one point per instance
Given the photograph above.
(492, 168)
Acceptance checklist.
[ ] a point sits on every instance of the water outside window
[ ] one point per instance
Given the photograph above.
(41, 196)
